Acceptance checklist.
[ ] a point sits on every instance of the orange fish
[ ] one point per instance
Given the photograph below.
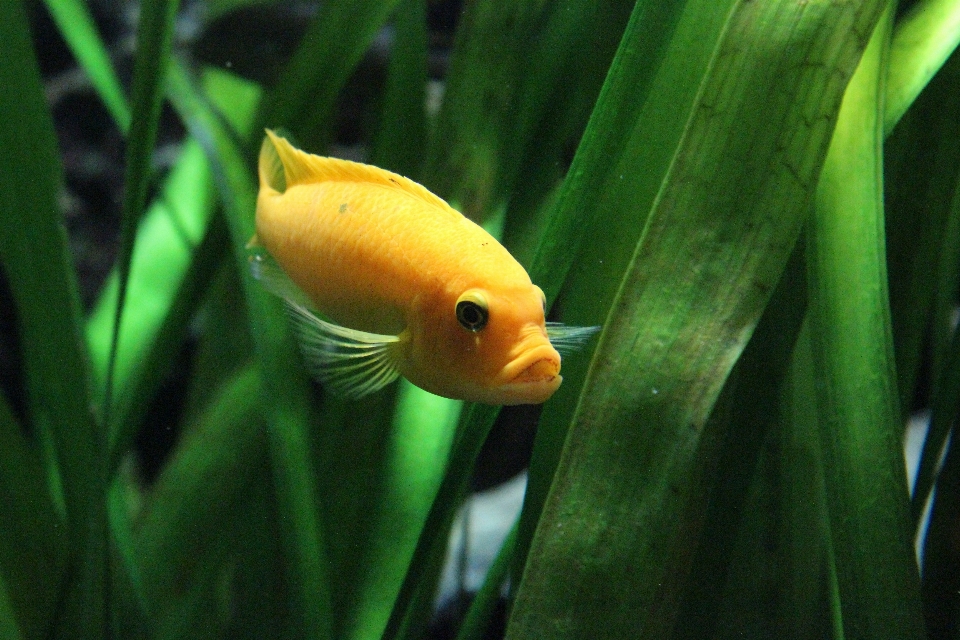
(383, 278)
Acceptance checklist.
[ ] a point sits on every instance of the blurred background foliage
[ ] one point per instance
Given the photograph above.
(758, 201)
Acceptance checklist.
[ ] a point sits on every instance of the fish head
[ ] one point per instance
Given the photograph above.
(491, 346)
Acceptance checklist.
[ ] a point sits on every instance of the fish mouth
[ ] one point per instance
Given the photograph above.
(533, 377)
(543, 370)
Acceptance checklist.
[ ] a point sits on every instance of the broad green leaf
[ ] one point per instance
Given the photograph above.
(77, 28)
(734, 492)
(665, 51)
(724, 221)
(860, 427)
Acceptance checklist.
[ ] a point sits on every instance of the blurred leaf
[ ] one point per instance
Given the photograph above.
(173, 256)
(519, 73)
(923, 40)
(415, 453)
(307, 90)
(35, 257)
(154, 35)
(286, 392)
(260, 605)
(33, 542)
(628, 482)
(8, 621)
(183, 540)
(417, 591)
(217, 8)
(860, 428)
(78, 29)
(401, 137)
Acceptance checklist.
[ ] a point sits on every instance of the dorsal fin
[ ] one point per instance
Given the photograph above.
(299, 167)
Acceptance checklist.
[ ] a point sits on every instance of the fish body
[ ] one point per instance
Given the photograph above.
(409, 285)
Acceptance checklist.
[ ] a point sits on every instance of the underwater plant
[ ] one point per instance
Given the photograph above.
(756, 201)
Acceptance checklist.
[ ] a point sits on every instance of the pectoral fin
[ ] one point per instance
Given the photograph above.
(352, 363)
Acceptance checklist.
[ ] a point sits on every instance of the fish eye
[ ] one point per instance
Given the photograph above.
(543, 297)
(472, 312)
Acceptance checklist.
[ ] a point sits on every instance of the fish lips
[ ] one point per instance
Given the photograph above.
(532, 377)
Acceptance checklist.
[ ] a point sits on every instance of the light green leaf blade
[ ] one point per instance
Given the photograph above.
(77, 28)
(168, 268)
(860, 426)
(922, 41)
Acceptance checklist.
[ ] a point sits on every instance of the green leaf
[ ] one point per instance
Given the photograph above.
(630, 474)
(736, 496)
(77, 28)
(408, 614)
(636, 123)
(413, 452)
(522, 76)
(174, 253)
(8, 621)
(860, 428)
